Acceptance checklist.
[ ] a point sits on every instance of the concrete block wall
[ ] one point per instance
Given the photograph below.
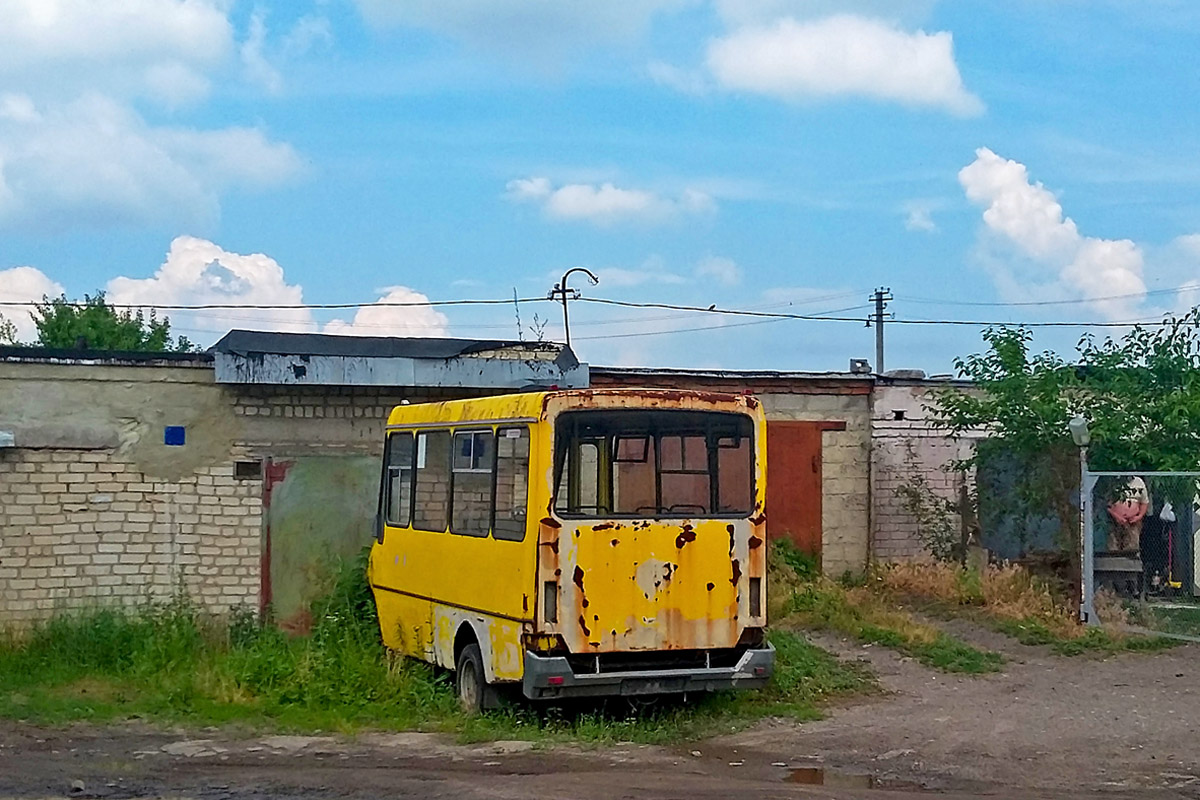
(314, 420)
(81, 528)
(845, 471)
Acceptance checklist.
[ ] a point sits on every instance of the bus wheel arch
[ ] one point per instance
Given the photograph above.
(475, 692)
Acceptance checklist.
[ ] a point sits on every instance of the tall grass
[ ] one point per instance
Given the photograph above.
(171, 662)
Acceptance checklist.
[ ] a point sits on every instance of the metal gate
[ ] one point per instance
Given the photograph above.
(318, 514)
(1140, 545)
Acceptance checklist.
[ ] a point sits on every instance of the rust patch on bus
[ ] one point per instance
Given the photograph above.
(583, 625)
(603, 526)
(578, 578)
(711, 586)
(737, 573)
(755, 542)
(615, 542)
(685, 536)
(551, 522)
(732, 537)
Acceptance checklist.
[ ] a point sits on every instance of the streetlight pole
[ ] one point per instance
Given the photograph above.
(1087, 545)
(560, 290)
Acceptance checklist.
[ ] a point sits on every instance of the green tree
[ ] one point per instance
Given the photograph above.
(8, 331)
(1140, 394)
(97, 325)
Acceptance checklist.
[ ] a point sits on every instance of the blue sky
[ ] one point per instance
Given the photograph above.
(774, 155)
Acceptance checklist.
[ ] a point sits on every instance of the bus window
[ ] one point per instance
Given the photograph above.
(471, 504)
(735, 466)
(685, 473)
(663, 463)
(399, 479)
(431, 510)
(633, 475)
(580, 485)
(512, 483)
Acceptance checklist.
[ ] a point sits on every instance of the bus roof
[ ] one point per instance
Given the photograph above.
(532, 405)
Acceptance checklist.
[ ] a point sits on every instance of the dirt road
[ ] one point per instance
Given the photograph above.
(1047, 727)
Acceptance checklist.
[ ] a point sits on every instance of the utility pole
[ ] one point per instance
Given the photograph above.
(560, 290)
(881, 297)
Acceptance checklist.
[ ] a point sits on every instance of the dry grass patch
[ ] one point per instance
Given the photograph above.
(1011, 599)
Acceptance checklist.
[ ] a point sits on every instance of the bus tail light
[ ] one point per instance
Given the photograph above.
(550, 601)
(756, 597)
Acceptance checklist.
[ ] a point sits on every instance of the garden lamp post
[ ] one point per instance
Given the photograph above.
(1082, 438)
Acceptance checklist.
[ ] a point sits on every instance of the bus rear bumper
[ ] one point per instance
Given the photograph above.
(551, 678)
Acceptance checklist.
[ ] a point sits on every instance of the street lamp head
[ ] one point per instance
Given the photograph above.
(1079, 431)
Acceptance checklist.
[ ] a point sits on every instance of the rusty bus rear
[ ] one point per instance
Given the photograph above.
(636, 563)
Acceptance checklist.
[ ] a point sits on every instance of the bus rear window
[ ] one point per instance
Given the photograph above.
(654, 463)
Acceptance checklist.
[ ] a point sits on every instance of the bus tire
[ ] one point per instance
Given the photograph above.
(470, 681)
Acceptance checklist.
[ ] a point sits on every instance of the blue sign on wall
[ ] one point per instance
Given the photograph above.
(174, 436)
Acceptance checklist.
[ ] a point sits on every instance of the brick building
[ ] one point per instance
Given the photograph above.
(238, 474)
(232, 475)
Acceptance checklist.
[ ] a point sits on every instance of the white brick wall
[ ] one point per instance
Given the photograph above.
(84, 527)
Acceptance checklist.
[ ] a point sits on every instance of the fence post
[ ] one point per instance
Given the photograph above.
(1087, 483)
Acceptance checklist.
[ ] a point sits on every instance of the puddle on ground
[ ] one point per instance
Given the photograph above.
(820, 776)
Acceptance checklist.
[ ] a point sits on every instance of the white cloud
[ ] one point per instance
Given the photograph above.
(71, 45)
(737, 13)
(1030, 219)
(198, 272)
(919, 216)
(36, 31)
(74, 148)
(605, 204)
(677, 78)
(842, 55)
(258, 69)
(24, 285)
(309, 33)
(408, 320)
(176, 84)
(95, 160)
(724, 271)
(527, 29)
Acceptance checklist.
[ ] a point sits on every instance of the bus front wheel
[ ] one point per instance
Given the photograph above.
(470, 681)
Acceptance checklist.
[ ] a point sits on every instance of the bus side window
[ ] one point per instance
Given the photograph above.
(471, 504)
(399, 479)
(431, 509)
(512, 483)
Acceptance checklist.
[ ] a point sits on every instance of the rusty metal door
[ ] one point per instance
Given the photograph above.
(794, 483)
(319, 512)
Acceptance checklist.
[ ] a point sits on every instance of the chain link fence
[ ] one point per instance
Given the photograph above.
(1140, 546)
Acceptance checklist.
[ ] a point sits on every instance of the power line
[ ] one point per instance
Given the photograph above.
(711, 327)
(712, 309)
(1076, 301)
(288, 306)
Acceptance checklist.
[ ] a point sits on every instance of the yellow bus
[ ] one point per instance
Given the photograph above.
(577, 543)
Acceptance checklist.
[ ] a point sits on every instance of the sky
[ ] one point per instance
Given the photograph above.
(1007, 161)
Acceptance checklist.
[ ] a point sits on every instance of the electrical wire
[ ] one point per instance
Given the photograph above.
(1076, 301)
(711, 327)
